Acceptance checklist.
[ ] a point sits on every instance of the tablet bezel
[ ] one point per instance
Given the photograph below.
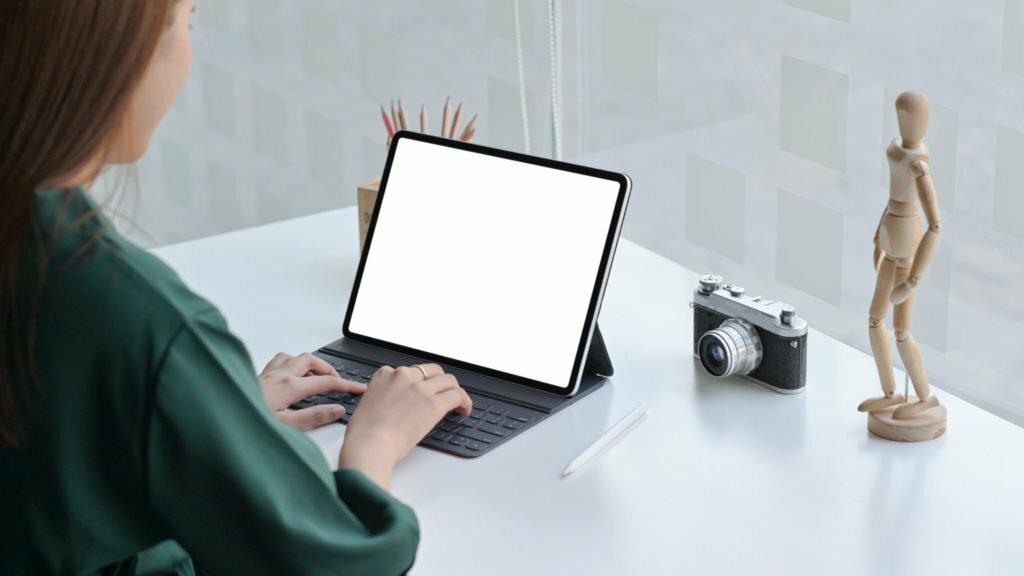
(597, 294)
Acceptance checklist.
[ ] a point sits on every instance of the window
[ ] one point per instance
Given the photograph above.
(769, 119)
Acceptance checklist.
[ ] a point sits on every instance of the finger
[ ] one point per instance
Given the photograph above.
(305, 363)
(466, 407)
(382, 372)
(277, 361)
(408, 374)
(312, 417)
(439, 384)
(457, 400)
(310, 385)
(431, 370)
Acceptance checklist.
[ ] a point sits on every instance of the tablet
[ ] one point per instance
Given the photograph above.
(487, 260)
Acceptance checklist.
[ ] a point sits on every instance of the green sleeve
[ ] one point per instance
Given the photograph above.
(244, 494)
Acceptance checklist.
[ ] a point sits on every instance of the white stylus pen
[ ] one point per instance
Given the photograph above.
(607, 438)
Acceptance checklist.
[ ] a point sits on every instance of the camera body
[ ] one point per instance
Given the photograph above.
(755, 337)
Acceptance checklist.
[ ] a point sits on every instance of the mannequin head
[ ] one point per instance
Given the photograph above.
(912, 111)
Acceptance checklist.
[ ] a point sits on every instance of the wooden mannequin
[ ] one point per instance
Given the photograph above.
(903, 251)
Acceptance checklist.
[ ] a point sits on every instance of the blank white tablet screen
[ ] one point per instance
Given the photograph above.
(484, 260)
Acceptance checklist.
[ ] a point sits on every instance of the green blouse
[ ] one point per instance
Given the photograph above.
(150, 449)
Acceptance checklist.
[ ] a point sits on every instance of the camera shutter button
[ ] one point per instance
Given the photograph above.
(787, 315)
(736, 290)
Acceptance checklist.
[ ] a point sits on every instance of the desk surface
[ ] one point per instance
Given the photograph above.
(723, 477)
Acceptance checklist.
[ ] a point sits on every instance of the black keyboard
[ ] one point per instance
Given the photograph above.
(491, 422)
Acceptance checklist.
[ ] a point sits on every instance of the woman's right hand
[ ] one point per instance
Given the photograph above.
(400, 407)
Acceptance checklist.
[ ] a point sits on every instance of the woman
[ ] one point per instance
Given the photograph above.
(134, 434)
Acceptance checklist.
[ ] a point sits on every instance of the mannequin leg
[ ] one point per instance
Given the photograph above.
(910, 353)
(879, 335)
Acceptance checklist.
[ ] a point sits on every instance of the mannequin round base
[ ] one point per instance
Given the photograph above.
(927, 425)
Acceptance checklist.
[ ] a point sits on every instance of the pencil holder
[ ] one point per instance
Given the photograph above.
(366, 196)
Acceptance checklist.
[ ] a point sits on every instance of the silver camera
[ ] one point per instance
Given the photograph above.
(755, 337)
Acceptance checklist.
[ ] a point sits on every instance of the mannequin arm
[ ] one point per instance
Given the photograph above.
(879, 253)
(926, 249)
(930, 242)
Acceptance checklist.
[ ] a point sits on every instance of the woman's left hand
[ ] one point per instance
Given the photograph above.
(288, 379)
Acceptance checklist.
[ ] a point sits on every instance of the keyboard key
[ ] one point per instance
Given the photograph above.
(483, 406)
(339, 367)
(336, 395)
(364, 378)
(471, 422)
(474, 446)
(499, 411)
(524, 418)
(448, 427)
(472, 434)
(352, 371)
(453, 417)
(495, 420)
(513, 425)
(442, 436)
(348, 399)
(493, 430)
(304, 403)
(458, 441)
(477, 413)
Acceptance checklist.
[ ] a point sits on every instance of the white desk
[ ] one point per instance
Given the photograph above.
(722, 477)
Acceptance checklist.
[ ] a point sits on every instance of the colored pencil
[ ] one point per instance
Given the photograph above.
(455, 121)
(394, 116)
(402, 117)
(446, 116)
(470, 130)
(387, 122)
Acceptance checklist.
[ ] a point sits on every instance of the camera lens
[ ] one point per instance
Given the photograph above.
(732, 348)
(717, 354)
(714, 357)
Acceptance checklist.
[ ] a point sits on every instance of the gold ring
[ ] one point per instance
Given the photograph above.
(426, 375)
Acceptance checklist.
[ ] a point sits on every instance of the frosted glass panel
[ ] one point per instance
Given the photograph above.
(219, 98)
(838, 9)
(810, 240)
(505, 120)
(264, 30)
(931, 308)
(501, 21)
(715, 207)
(221, 184)
(270, 124)
(1008, 215)
(177, 172)
(631, 48)
(324, 153)
(380, 68)
(319, 41)
(1013, 36)
(813, 116)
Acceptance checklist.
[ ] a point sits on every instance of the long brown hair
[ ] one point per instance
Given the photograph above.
(68, 69)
